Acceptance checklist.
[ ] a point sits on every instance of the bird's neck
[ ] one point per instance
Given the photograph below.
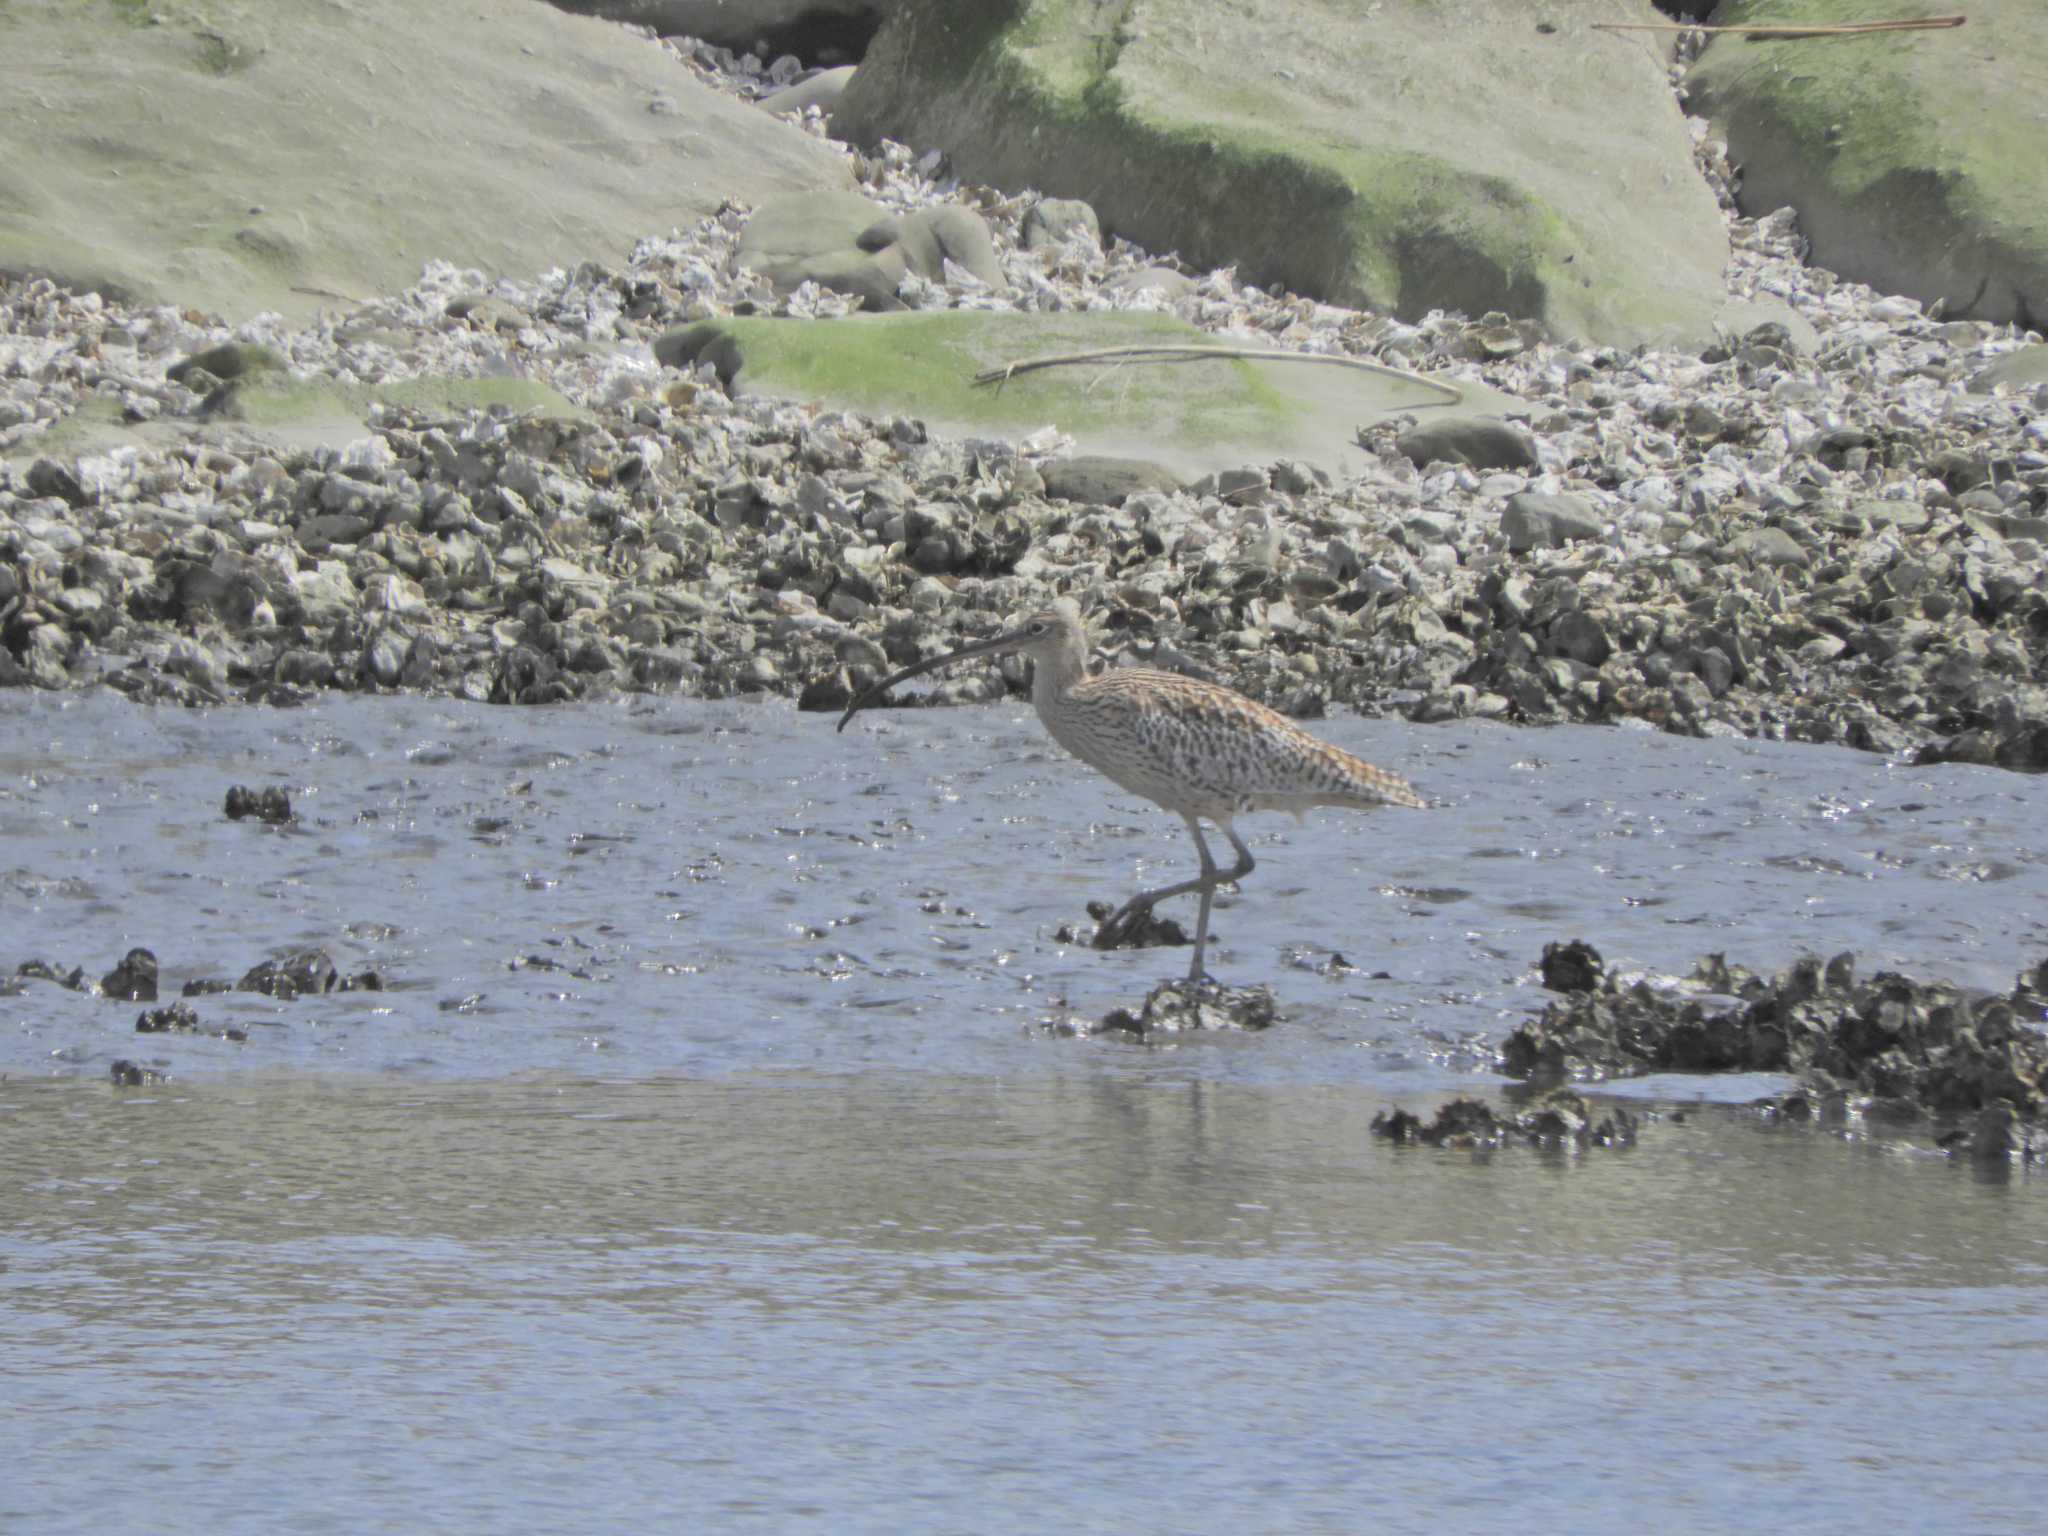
(1053, 675)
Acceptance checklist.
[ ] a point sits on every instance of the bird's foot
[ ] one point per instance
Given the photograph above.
(1133, 928)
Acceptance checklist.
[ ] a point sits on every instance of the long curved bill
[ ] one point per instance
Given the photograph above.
(874, 692)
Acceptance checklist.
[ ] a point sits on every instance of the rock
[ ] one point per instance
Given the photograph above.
(821, 90)
(842, 241)
(1995, 1136)
(1161, 282)
(1493, 189)
(1178, 1007)
(1572, 967)
(932, 237)
(1103, 481)
(42, 970)
(127, 1074)
(229, 361)
(1534, 520)
(1892, 184)
(180, 1018)
(2021, 371)
(1579, 636)
(1475, 441)
(307, 971)
(1561, 1117)
(1051, 220)
(1769, 546)
(46, 477)
(538, 105)
(1941, 1049)
(272, 805)
(133, 980)
(1958, 470)
(1143, 930)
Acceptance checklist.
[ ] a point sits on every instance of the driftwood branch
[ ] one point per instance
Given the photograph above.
(1837, 29)
(1159, 354)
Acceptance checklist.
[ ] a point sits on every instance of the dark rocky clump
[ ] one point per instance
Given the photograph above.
(1175, 1007)
(271, 806)
(177, 1018)
(42, 970)
(182, 1019)
(1560, 1118)
(308, 971)
(1572, 967)
(133, 980)
(126, 1074)
(1997, 1135)
(1907, 1046)
(1143, 930)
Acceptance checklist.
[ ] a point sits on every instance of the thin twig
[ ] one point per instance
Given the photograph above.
(1002, 375)
(1837, 29)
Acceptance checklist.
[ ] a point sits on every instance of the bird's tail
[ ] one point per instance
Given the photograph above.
(1373, 787)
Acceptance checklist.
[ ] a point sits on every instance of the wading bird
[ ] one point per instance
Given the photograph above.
(1198, 749)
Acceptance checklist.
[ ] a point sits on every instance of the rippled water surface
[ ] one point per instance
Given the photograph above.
(699, 1163)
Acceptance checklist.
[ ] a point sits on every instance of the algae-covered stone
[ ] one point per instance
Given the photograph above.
(1104, 481)
(1427, 154)
(842, 241)
(295, 154)
(231, 360)
(1913, 158)
(1117, 393)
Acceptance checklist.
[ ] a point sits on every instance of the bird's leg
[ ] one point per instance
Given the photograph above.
(1119, 922)
(1211, 879)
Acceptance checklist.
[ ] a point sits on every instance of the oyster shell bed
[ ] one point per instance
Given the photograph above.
(1816, 530)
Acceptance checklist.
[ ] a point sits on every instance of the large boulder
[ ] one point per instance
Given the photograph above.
(1434, 153)
(1914, 159)
(302, 153)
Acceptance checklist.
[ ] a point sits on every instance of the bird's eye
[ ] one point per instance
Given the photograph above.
(1037, 627)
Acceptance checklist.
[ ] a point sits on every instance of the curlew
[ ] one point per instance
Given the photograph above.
(1197, 749)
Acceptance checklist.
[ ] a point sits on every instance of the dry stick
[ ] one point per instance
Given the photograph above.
(1838, 29)
(1001, 376)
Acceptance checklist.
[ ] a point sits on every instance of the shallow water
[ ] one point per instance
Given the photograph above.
(1122, 1300)
(758, 1204)
(704, 888)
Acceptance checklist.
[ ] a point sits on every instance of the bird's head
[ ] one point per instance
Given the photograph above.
(1051, 636)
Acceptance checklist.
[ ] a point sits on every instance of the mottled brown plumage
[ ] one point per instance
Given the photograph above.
(1200, 750)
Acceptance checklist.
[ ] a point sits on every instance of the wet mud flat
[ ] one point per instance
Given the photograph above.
(658, 886)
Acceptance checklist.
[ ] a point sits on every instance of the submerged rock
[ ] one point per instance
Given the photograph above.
(179, 1017)
(1925, 1047)
(1176, 1007)
(1560, 1118)
(271, 806)
(133, 980)
(1143, 930)
(42, 970)
(307, 971)
(1571, 967)
(127, 1074)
